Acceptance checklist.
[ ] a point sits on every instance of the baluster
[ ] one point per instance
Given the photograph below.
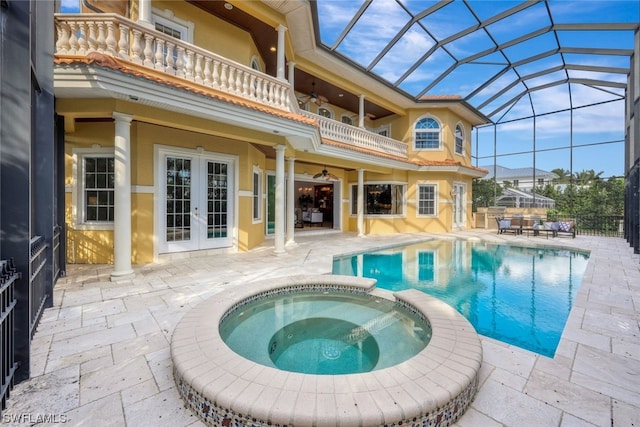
(238, 88)
(271, 97)
(223, 77)
(216, 74)
(198, 69)
(189, 66)
(111, 39)
(148, 50)
(157, 58)
(252, 86)
(93, 44)
(180, 62)
(136, 47)
(73, 39)
(259, 88)
(231, 79)
(101, 37)
(169, 59)
(82, 40)
(63, 41)
(123, 42)
(245, 85)
(207, 71)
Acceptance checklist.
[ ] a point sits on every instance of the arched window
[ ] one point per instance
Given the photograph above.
(347, 120)
(325, 112)
(427, 134)
(459, 139)
(255, 64)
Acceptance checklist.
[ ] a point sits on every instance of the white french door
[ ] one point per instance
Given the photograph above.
(459, 206)
(196, 206)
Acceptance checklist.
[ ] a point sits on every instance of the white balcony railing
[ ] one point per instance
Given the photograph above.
(341, 132)
(114, 35)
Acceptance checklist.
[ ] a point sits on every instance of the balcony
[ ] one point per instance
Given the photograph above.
(122, 38)
(358, 137)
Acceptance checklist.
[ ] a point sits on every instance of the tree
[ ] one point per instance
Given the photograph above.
(564, 176)
(484, 193)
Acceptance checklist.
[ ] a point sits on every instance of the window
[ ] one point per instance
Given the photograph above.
(427, 199)
(257, 194)
(324, 112)
(166, 22)
(427, 134)
(97, 189)
(459, 140)
(380, 199)
(540, 181)
(515, 183)
(347, 120)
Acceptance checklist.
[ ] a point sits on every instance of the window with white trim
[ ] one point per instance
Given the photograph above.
(257, 194)
(459, 139)
(93, 190)
(380, 199)
(427, 199)
(427, 134)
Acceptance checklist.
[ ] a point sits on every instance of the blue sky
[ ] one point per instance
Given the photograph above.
(484, 52)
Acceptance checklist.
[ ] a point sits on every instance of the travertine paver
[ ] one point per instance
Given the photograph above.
(593, 379)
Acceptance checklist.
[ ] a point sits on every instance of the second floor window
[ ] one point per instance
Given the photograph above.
(459, 140)
(324, 112)
(427, 134)
(347, 120)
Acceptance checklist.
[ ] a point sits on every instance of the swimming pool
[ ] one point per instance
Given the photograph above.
(518, 295)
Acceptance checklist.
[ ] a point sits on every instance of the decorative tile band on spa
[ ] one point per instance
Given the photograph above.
(212, 414)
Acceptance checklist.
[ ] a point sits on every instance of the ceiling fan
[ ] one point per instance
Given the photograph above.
(314, 97)
(325, 175)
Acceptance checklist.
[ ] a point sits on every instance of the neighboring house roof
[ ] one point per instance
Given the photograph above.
(504, 173)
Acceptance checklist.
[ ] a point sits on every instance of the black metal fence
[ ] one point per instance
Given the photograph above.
(611, 225)
(8, 280)
(38, 282)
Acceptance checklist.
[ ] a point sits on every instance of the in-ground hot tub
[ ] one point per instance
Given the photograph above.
(370, 357)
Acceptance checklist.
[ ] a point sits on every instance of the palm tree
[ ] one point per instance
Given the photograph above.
(564, 176)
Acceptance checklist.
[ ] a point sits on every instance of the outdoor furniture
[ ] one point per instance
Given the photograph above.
(509, 225)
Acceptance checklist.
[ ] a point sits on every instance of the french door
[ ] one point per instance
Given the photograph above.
(459, 206)
(197, 202)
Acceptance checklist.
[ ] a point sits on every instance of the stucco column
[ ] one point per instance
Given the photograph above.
(144, 12)
(280, 210)
(291, 73)
(361, 111)
(122, 199)
(280, 52)
(291, 204)
(360, 203)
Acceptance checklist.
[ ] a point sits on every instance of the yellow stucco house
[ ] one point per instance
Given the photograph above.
(194, 125)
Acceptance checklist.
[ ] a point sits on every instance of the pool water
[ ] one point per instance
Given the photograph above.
(324, 333)
(518, 295)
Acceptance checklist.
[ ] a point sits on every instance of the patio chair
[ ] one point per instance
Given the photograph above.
(509, 225)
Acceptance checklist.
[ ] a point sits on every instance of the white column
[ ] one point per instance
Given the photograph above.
(144, 12)
(122, 199)
(291, 73)
(361, 111)
(280, 52)
(291, 205)
(360, 212)
(280, 211)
